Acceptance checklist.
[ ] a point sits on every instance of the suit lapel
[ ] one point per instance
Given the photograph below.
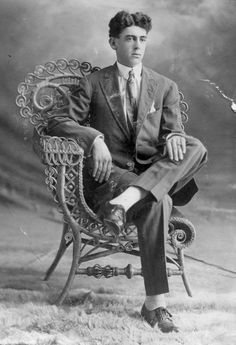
(110, 88)
(147, 92)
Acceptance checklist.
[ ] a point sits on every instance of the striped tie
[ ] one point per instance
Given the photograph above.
(131, 103)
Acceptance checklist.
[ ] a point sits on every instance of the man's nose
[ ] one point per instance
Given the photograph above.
(137, 44)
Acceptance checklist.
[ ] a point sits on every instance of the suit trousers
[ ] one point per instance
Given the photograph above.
(150, 215)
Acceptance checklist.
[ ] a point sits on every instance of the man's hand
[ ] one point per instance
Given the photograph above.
(176, 147)
(102, 162)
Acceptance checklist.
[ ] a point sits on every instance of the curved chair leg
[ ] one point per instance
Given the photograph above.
(60, 252)
(184, 277)
(74, 265)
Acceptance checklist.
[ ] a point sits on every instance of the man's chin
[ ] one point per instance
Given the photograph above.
(132, 62)
(135, 61)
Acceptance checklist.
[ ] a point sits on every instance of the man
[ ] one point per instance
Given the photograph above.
(138, 157)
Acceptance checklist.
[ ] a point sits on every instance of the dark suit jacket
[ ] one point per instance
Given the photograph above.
(98, 96)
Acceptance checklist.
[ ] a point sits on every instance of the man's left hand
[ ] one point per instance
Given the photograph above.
(176, 147)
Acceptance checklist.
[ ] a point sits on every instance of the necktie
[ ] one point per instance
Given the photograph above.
(131, 102)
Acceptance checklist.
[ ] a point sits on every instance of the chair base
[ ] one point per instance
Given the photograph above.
(108, 271)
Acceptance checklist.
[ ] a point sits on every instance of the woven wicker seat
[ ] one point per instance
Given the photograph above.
(39, 96)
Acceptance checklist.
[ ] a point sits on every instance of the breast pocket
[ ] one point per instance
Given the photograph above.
(154, 108)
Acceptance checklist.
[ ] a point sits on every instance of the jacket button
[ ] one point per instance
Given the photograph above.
(130, 166)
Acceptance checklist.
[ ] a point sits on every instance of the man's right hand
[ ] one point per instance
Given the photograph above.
(102, 161)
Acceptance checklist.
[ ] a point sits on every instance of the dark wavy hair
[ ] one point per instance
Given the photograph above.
(125, 19)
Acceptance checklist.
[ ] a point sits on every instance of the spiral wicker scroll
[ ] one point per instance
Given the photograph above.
(183, 109)
(182, 232)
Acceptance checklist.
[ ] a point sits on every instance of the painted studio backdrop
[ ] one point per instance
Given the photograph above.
(192, 42)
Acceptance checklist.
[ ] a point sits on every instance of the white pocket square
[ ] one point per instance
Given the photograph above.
(152, 109)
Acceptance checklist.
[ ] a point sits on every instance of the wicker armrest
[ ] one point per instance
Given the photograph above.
(63, 158)
(55, 151)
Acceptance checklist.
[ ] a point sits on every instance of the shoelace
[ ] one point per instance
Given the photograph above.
(163, 314)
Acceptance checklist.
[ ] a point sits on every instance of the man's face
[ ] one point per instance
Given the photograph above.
(130, 45)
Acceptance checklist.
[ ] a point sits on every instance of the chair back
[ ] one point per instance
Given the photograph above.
(47, 89)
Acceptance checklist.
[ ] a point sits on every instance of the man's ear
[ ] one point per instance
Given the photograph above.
(112, 42)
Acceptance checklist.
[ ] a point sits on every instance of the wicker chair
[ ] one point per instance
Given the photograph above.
(42, 92)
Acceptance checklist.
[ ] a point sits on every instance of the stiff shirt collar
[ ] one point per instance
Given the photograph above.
(124, 70)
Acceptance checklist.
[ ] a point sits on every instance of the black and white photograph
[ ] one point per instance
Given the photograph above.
(118, 172)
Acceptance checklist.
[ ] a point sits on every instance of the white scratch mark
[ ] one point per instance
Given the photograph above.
(23, 232)
(233, 104)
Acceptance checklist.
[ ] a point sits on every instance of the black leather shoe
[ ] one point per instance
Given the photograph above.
(113, 216)
(161, 316)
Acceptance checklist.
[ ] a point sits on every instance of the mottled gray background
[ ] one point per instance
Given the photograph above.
(191, 40)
